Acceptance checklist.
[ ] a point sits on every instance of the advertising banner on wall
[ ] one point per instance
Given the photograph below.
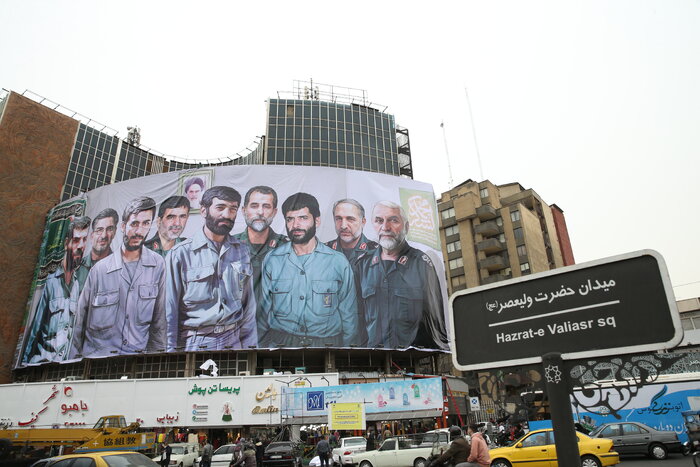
(390, 396)
(184, 402)
(239, 257)
(656, 405)
(347, 416)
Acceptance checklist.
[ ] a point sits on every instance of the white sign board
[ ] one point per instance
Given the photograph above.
(184, 402)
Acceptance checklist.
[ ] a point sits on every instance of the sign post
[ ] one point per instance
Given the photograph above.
(623, 304)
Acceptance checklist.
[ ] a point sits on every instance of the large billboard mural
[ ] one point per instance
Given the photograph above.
(241, 257)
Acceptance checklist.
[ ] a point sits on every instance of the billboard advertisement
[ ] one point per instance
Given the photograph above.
(385, 397)
(230, 258)
(196, 402)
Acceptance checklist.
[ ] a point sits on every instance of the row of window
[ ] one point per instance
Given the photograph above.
(447, 213)
(332, 159)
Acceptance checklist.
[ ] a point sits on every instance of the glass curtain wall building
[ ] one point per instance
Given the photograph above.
(314, 132)
(322, 126)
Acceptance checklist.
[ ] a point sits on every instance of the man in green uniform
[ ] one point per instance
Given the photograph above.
(171, 221)
(349, 218)
(51, 333)
(260, 209)
(104, 228)
(398, 288)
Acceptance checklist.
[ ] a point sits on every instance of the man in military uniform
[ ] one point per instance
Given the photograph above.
(399, 288)
(172, 219)
(260, 209)
(349, 218)
(104, 228)
(51, 332)
(308, 292)
(122, 306)
(210, 299)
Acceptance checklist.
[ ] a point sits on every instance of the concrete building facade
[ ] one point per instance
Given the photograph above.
(493, 232)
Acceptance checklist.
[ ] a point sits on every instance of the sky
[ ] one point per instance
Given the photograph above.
(595, 105)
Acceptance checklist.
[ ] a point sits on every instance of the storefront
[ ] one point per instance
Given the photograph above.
(221, 408)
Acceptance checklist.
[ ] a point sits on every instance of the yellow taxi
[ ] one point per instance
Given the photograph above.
(102, 459)
(536, 449)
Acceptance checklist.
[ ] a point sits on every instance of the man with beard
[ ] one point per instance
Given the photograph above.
(210, 298)
(122, 307)
(308, 293)
(349, 218)
(104, 227)
(51, 333)
(398, 287)
(172, 219)
(260, 208)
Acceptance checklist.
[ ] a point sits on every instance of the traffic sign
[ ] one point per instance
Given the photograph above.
(622, 304)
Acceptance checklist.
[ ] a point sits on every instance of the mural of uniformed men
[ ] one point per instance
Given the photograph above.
(51, 332)
(308, 292)
(171, 222)
(260, 209)
(349, 218)
(104, 228)
(122, 307)
(399, 291)
(210, 298)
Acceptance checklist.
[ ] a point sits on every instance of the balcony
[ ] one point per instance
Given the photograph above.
(487, 229)
(490, 245)
(486, 212)
(494, 278)
(493, 263)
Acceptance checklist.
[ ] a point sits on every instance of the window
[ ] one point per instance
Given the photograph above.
(484, 192)
(522, 250)
(518, 233)
(458, 280)
(456, 263)
(538, 439)
(389, 445)
(632, 429)
(290, 110)
(447, 213)
(525, 268)
(611, 430)
(452, 230)
(515, 216)
(454, 246)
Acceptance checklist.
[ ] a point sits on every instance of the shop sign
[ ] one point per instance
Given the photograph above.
(269, 409)
(212, 389)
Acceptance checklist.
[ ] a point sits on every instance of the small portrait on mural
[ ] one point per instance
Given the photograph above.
(193, 184)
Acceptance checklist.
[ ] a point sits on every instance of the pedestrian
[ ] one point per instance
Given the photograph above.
(371, 441)
(387, 433)
(165, 454)
(207, 452)
(479, 455)
(323, 449)
(246, 458)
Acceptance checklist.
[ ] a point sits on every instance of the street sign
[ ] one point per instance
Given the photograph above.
(474, 404)
(622, 304)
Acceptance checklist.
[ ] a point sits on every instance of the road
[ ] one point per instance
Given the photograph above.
(674, 460)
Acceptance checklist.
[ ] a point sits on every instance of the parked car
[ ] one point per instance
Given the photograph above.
(220, 458)
(638, 438)
(182, 455)
(104, 459)
(402, 451)
(282, 453)
(536, 449)
(342, 455)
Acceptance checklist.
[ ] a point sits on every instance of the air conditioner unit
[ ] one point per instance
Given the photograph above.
(244, 373)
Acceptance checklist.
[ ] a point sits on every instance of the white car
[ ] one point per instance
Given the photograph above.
(342, 455)
(403, 451)
(221, 457)
(182, 455)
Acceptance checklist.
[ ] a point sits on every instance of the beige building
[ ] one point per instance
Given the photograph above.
(496, 232)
